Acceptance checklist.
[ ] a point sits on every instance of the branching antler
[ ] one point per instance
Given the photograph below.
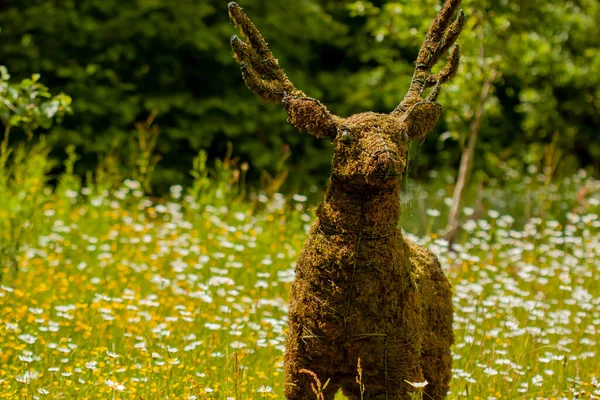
(441, 36)
(261, 71)
(264, 76)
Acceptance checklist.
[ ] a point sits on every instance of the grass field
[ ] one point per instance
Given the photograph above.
(108, 293)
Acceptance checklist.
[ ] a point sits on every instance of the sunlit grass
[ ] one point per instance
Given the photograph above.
(120, 296)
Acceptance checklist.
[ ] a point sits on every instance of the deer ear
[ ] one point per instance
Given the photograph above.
(421, 118)
(310, 115)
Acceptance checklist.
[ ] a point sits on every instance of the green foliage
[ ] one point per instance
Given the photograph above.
(225, 182)
(542, 55)
(141, 155)
(22, 184)
(185, 296)
(121, 61)
(27, 105)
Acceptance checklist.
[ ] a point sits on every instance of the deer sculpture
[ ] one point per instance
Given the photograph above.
(363, 291)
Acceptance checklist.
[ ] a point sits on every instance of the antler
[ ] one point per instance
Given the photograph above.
(264, 76)
(441, 36)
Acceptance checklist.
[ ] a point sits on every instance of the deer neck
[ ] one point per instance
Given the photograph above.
(369, 211)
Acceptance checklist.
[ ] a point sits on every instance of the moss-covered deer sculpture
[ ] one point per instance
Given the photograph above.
(362, 289)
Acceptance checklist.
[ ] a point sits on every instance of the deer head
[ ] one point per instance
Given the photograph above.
(369, 148)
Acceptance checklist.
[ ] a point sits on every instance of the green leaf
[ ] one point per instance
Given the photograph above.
(50, 109)
(14, 120)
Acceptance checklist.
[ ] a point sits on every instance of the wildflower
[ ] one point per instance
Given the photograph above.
(299, 198)
(261, 284)
(417, 385)
(91, 365)
(111, 354)
(265, 389)
(115, 385)
(212, 327)
(131, 184)
(25, 379)
(267, 261)
(433, 212)
(29, 339)
(238, 345)
(12, 327)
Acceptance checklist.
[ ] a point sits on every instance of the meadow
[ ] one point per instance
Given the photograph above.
(108, 293)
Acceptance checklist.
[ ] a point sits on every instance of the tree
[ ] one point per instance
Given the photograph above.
(522, 61)
(123, 60)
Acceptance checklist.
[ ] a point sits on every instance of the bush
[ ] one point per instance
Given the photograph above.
(122, 61)
(27, 106)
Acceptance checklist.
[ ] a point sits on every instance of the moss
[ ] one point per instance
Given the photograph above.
(362, 290)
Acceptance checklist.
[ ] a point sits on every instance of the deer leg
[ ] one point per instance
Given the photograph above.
(306, 387)
(299, 384)
(436, 357)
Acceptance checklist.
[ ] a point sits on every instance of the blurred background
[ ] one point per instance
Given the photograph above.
(526, 96)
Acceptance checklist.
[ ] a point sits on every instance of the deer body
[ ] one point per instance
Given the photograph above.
(362, 289)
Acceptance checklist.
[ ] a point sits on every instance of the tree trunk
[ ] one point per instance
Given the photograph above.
(466, 161)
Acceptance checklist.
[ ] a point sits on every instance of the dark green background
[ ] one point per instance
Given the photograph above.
(120, 60)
